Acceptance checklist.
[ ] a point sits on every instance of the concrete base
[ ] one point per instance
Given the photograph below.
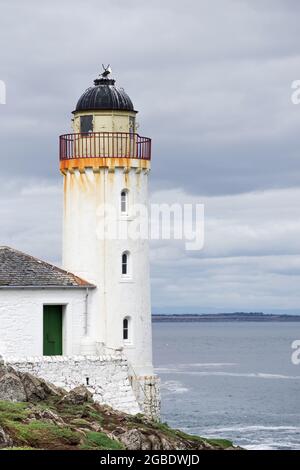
(147, 392)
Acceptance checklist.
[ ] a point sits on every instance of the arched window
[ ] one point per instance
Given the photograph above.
(127, 333)
(124, 201)
(125, 329)
(125, 263)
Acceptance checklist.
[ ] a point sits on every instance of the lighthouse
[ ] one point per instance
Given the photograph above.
(90, 323)
(105, 165)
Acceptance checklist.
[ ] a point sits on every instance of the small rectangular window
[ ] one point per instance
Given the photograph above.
(86, 124)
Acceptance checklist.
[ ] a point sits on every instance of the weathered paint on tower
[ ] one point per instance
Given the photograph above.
(102, 159)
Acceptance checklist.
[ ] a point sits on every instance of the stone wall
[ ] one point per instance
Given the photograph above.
(147, 392)
(105, 376)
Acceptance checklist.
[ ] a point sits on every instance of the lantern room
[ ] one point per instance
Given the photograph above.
(104, 126)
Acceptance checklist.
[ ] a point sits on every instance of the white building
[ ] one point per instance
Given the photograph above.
(90, 322)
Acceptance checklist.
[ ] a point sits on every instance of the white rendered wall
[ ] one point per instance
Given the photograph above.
(99, 261)
(21, 319)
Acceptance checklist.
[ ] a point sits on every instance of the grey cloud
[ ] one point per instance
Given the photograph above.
(250, 259)
(211, 80)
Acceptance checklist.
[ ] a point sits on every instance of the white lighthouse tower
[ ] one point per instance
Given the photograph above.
(105, 166)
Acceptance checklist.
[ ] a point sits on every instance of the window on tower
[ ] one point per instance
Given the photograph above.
(125, 268)
(125, 329)
(127, 336)
(124, 201)
(86, 124)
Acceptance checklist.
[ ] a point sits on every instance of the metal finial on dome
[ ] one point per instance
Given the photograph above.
(107, 71)
(104, 95)
(103, 78)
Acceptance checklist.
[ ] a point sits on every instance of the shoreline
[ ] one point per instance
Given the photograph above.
(227, 317)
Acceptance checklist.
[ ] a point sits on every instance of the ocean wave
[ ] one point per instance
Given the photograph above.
(166, 370)
(254, 437)
(260, 447)
(273, 446)
(209, 364)
(174, 387)
(251, 428)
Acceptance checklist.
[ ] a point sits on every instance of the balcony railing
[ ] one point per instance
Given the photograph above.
(104, 145)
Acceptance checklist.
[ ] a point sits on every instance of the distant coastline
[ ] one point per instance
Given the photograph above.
(229, 317)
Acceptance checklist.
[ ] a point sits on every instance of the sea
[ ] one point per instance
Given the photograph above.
(231, 380)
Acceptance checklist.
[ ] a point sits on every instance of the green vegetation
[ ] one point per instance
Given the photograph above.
(52, 424)
(13, 411)
(224, 443)
(39, 434)
(99, 440)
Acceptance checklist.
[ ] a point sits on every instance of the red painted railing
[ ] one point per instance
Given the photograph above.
(104, 145)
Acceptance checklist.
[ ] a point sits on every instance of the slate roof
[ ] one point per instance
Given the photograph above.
(18, 269)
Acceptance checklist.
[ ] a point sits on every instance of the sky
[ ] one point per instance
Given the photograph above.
(212, 82)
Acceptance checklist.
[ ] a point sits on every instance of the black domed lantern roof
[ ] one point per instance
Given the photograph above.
(104, 95)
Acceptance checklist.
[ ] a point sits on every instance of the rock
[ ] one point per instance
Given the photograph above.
(11, 388)
(155, 442)
(131, 439)
(38, 389)
(136, 439)
(45, 415)
(96, 427)
(22, 386)
(5, 440)
(77, 396)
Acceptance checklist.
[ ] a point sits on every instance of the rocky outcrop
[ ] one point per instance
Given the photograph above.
(35, 414)
(77, 396)
(19, 386)
(5, 440)
(11, 387)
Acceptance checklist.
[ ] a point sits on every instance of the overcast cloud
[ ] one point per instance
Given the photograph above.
(212, 81)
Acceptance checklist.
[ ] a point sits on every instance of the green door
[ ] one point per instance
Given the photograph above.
(52, 330)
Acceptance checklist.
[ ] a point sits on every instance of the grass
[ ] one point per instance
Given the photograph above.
(39, 434)
(224, 443)
(88, 412)
(42, 435)
(28, 434)
(100, 441)
(79, 422)
(13, 411)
